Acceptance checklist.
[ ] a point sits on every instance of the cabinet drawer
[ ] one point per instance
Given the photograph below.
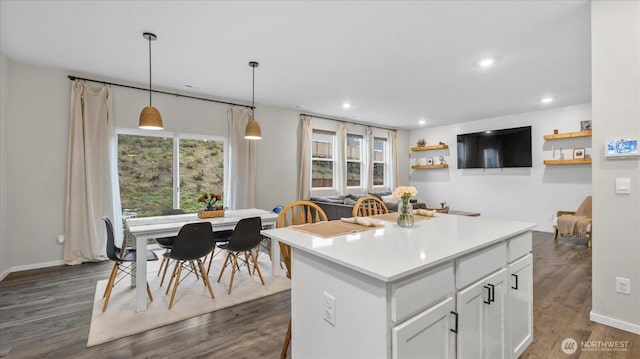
(415, 294)
(479, 264)
(519, 246)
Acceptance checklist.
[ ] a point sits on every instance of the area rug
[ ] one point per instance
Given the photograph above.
(192, 299)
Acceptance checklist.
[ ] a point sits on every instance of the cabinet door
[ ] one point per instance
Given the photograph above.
(426, 335)
(520, 305)
(482, 311)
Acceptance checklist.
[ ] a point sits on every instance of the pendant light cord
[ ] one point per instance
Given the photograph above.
(149, 71)
(253, 90)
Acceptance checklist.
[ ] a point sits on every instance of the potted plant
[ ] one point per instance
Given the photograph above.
(212, 204)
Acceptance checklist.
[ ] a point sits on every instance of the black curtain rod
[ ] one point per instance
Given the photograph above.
(354, 122)
(73, 78)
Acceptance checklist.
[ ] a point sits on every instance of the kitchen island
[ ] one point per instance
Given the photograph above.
(449, 287)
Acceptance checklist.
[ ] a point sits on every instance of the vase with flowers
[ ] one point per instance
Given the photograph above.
(212, 204)
(405, 209)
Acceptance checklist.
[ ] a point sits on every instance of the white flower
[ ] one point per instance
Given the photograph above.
(405, 191)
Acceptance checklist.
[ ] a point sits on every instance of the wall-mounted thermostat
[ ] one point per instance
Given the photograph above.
(622, 148)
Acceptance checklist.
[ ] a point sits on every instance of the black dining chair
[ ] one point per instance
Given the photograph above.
(192, 243)
(166, 243)
(122, 258)
(218, 237)
(244, 239)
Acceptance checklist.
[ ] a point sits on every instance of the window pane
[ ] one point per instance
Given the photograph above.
(322, 145)
(378, 150)
(378, 174)
(145, 173)
(201, 170)
(353, 174)
(354, 145)
(321, 174)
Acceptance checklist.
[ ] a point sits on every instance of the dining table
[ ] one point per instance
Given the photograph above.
(145, 228)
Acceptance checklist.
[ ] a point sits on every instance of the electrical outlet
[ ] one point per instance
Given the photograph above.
(60, 238)
(329, 308)
(623, 285)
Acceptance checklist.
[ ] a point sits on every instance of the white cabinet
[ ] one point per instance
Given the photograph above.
(403, 294)
(520, 305)
(482, 323)
(429, 334)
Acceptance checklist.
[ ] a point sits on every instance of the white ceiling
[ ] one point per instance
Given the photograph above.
(395, 61)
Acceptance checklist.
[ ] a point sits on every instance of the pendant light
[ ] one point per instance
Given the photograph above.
(150, 118)
(252, 132)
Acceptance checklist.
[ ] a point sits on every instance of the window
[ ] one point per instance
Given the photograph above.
(354, 160)
(322, 159)
(163, 170)
(379, 162)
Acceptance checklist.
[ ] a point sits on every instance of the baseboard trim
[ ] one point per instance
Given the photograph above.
(30, 266)
(616, 323)
(4, 274)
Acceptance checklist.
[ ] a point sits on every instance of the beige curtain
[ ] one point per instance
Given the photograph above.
(306, 132)
(340, 172)
(89, 174)
(241, 183)
(394, 177)
(370, 156)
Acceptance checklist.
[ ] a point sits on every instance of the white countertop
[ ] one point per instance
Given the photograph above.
(393, 252)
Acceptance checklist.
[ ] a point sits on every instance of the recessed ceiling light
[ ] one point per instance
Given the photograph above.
(486, 62)
(547, 100)
(191, 86)
(422, 122)
(346, 105)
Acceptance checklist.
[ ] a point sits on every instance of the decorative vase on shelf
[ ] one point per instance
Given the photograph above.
(405, 213)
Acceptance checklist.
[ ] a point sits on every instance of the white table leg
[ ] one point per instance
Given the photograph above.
(141, 274)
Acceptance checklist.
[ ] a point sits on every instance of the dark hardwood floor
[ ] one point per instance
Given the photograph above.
(45, 313)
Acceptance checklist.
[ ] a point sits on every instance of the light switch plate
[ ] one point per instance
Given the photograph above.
(623, 185)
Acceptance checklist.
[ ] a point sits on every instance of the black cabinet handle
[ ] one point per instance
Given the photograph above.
(516, 287)
(455, 330)
(488, 300)
(492, 298)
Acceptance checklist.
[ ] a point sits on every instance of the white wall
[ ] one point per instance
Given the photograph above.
(35, 147)
(4, 100)
(33, 129)
(615, 50)
(527, 194)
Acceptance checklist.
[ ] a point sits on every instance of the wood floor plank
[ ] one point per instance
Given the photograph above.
(46, 313)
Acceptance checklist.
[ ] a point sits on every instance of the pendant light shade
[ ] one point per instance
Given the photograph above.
(150, 118)
(252, 132)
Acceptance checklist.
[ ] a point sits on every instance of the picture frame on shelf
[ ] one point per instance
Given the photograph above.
(585, 125)
(429, 160)
(578, 153)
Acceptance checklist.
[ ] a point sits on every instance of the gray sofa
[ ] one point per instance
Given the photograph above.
(337, 207)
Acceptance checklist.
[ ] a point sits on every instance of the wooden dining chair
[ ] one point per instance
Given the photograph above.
(369, 206)
(298, 212)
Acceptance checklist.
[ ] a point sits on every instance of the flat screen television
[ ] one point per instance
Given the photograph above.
(504, 148)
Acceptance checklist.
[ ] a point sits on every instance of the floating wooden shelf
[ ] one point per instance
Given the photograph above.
(427, 167)
(568, 135)
(579, 161)
(429, 148)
